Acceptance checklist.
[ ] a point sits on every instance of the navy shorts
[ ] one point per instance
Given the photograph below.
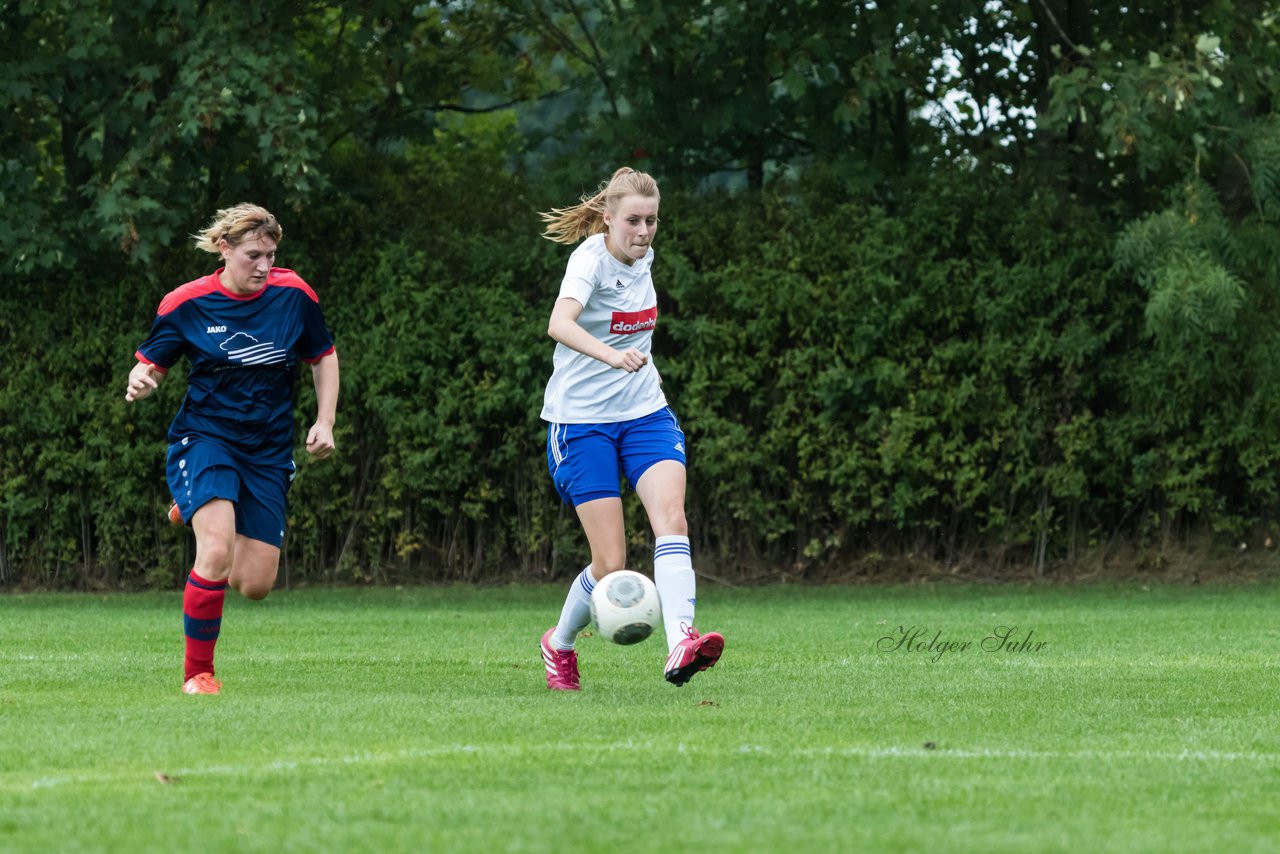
(587, 460)
(200, 471)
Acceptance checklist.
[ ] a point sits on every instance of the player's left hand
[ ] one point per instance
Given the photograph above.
(320, 441)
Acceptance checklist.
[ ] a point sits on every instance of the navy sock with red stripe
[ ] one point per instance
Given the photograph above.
(201, 621)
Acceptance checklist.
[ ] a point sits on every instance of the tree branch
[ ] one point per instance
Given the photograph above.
(1053, 20)
(443, 107)
(599, 64)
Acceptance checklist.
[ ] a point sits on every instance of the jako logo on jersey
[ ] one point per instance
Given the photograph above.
(213, 329)
(631, 322)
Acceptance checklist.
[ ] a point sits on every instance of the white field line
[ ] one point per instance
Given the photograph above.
(842, 751)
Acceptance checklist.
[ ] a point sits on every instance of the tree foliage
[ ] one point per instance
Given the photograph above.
(126, 116)
(968, 283)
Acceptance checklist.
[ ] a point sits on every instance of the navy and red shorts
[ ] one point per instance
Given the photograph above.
(199, 470)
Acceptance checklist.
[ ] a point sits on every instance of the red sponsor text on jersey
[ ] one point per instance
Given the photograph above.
(631, 322)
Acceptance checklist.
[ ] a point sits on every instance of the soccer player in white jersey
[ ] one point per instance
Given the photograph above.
(608, 417)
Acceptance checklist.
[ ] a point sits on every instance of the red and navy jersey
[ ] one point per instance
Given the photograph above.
(243, 351)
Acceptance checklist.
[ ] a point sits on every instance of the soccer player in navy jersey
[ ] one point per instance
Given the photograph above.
(608, 416)
(243, 330)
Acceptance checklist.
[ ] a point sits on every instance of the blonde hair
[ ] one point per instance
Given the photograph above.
(569, 225)
(236, 225)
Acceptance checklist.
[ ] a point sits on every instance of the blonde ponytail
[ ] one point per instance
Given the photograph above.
(569, 225)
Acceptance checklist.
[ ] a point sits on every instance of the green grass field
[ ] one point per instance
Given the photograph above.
(418, 720)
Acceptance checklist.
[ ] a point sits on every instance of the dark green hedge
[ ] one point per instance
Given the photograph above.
(971, 377)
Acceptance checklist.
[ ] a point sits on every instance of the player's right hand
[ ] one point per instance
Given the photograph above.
(629, 360)
(141, 382)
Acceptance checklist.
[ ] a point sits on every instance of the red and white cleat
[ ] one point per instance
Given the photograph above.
(562, 665)
(692, 655)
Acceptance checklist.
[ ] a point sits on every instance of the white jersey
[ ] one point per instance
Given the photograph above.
(619, 307)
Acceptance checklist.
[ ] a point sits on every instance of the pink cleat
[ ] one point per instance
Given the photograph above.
(562, 665)
(692, 655)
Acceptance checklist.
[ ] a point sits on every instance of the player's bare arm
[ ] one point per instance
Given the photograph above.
(564, 328)
(324, 374)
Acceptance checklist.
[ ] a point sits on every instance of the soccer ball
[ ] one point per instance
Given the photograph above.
(625, 607)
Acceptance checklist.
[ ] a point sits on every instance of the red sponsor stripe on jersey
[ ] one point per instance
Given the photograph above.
(283, 277)
(191, 290)
(205, 285)
(631, 322)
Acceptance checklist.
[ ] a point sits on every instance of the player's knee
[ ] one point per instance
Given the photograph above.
(602, 565)
(214, 559)
(669, 520)
(251, 589)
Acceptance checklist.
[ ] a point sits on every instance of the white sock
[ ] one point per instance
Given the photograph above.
(677, 586)
(576, 612)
